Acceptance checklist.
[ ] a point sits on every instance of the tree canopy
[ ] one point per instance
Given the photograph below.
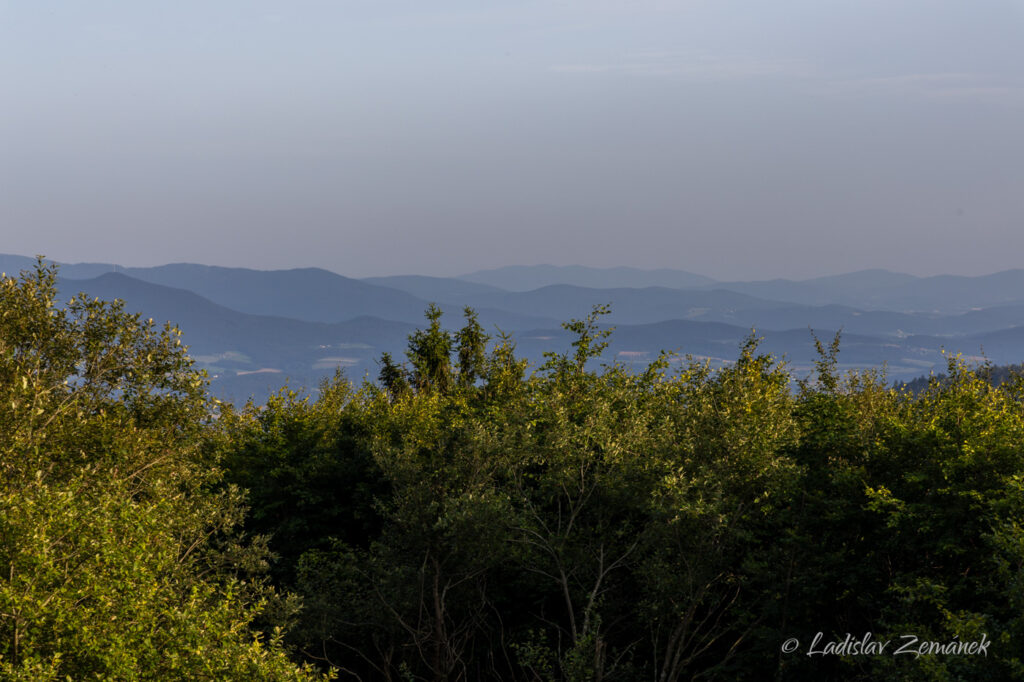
(465, 518)
(470, 521)
(120, 556)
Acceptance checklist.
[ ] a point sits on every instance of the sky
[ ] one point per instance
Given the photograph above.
(740, 140)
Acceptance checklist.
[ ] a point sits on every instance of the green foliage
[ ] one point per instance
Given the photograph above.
(308, 471)
(589, 343)
(587, 522)
(118, 554)
(430, 354)
(472, 345)
(394, 378)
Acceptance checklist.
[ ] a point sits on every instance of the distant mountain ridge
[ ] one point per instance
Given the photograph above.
(328, 296)
(897, 292)
(252, 329)
(433, 288)
(628, 305)
(209, 327)
(310, 294)
(529, 277)
(230, 344)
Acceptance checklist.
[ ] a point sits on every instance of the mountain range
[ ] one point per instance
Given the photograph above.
(253, 330)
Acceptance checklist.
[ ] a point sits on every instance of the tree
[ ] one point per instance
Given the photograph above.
(472, 349)
(393, 378)
(430, 354)
(119, 554)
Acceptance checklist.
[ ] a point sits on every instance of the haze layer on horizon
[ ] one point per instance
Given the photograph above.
(737, 140)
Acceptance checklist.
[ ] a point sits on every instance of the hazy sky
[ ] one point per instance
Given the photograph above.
(736, 139)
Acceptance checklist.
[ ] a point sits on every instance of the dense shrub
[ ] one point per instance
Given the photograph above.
(588, 522)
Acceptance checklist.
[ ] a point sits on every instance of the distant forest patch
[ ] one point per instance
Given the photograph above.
(996, 375)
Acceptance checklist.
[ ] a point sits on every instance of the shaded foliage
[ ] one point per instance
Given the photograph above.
(586, 522)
